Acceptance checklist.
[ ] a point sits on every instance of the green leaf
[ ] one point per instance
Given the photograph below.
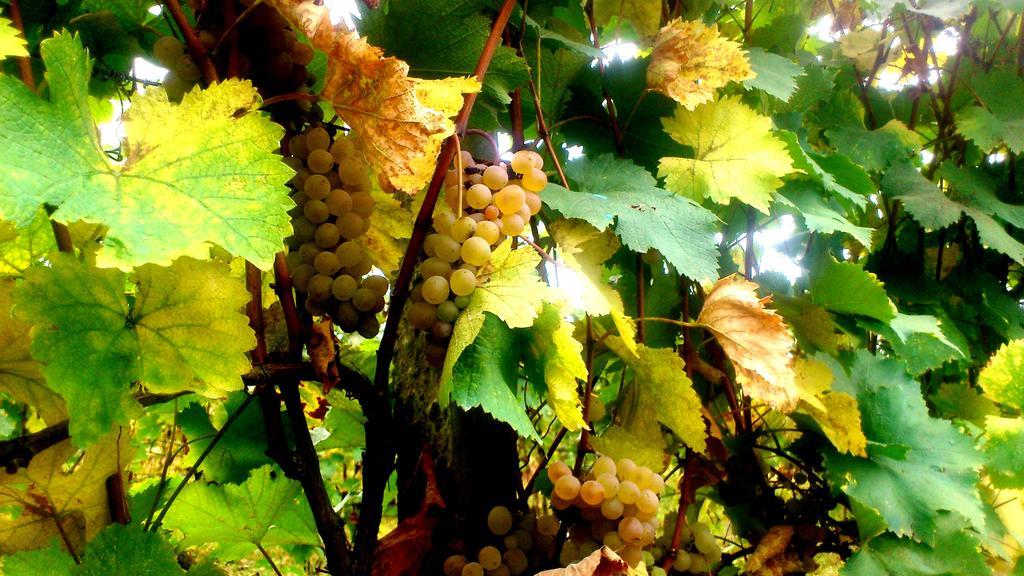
(874, 150)
(1004, 451)
(19, 249)
(818, 215)
(846, 288)
(918, 466)
(1003, 377)
(776, 74)
(241, 448)
(923, 199)
(345, 422)
(11, 43)
(50, 561)
(197, 173)
(182, 330)
(121, 550)
(486, 376)
(735, 154)
(553, 356)
(644, 16)
(836, 173)
(614, 192)
(957, 552)
(20, 376)
(237, 514)
(999, 120)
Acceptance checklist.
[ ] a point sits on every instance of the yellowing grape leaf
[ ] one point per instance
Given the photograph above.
(514, 293)
(835, 412)
(400, 121)
(638, 437)
(691, 61)
(11, 43)
(1003, 378)
(19, 249)
(735, 154)
(199, 173)
(602, 562)
(644, 16)
(551, 345)
(20, 377)
(182, 329)
(391, 223)
(35, 499)
(584, 248)
(755, 338)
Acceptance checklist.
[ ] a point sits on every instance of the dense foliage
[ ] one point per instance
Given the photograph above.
(484, 287)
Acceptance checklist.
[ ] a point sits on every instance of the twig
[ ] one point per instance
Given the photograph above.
(269, 559)
(616, 132)
(543, 134)
(283, 289)
(24, 62)
(544, 462)
(195, 46)
(303, 96)
(254, 310)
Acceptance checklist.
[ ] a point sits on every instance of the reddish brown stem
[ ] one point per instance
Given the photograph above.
(292, 96)
(117, 502)
(542, 132)
(612, 116)
(283, 289)
(24, 62)
(254, 310)
(684, 504)
(195, 46)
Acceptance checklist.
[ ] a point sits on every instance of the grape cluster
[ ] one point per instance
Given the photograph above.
(333, 206)
(698, 552)
(618, 505)
(486, 204)
(182, 72)
(519, 545)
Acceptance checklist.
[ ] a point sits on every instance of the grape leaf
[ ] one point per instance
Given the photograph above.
(776, 75)
(755, 339)
(514, 293)
(11, 42)
(924, 200)
(735, 154)
(846, 288)
(182, 330)
(552, 355)
(691, 61)
(197, 173)
(612, 191)
(662, 383)
(640, 441)
(644, 16)
(400, 121)
(836, 413)
(50, 561)
(121, 550)
(1003, 377)
(35, 499)
(817, 212)
(239, 450)
(917, 466)
(919, 340)
(956, 551)
(1000, 119)
(874, 150)
(584, 249)
(235, 517)
(1004, 451)
(836, 173)
(345, 422)
(20, 377)
(391, 223)
(19, 249)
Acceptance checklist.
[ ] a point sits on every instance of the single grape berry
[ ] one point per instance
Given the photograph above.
(435, 289)
(462, 282)
(499, 520)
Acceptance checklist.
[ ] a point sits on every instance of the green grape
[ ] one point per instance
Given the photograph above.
(308, 252)
(435, 289)
(625, 467)
(612, 509)
(422, 315)
(301, 276)
(610, 483)
(442, 330)
(166, 49)
(489, 557)
(698, 565)
(364, 299)
(299, 180)
(327, 235)
(476, 251)
(360, 268)
(510, 542)
(454, 564)
(344, 287)
(317, 187)
(704, 541)
(488, 231)
(352, 226)
(280, 66)
(319, 161)
(466, 158)
(642, 476)
(512, 224)
(682, 561)
(595, 409)
(377, 283)
(547, 525)
(299, 198)
(521, 162)
(630, 529)
(297, 146)
(628, 491)
(341, 149)
(647, 502)
(347, 317)
(429, 243)
(603, 465)
(369, 327)
(443, 220)
(326, 263)
(339, 202)
(319, 287)
(434, 266)
(495, 177)
(317, 138)
(535, 180)
(613, 541)
(657, 483)
(314, 308)
(462, 302)
(353, 172)
(492, 213)
(557, 469)
(316, 211)
(478, 196)
(473, 569)
(516, 561)
(499, 521)
(362, 204)
(462, 282)
(293, 260)
(592, 492)
(349, 253)
(524, 213)
(463, 228)
(447, 249)
(509, 199)
(567, 487)
(447, 311)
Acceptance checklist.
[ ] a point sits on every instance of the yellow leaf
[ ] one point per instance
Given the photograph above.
(400, 121)
(861, 46)
(563, 361)
(11, 43)
(34, 500)
(691, 61)
(836, 412)
(391, 223)
(756, 339)
(584, 248)
(513, 292)
(643, 15)
(20, 377)
(735, 154)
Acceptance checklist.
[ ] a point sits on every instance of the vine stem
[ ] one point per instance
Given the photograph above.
(195, 46)
(269, 559)
(612, 115)
(380, 449)
(199, 461)
(544, 134)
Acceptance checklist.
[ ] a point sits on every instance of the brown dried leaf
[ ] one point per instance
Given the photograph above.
(691, 61)
(602, 562)
(322, 353)
(772, 545)
(401, 552)
(755, 338)
(400, 121)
